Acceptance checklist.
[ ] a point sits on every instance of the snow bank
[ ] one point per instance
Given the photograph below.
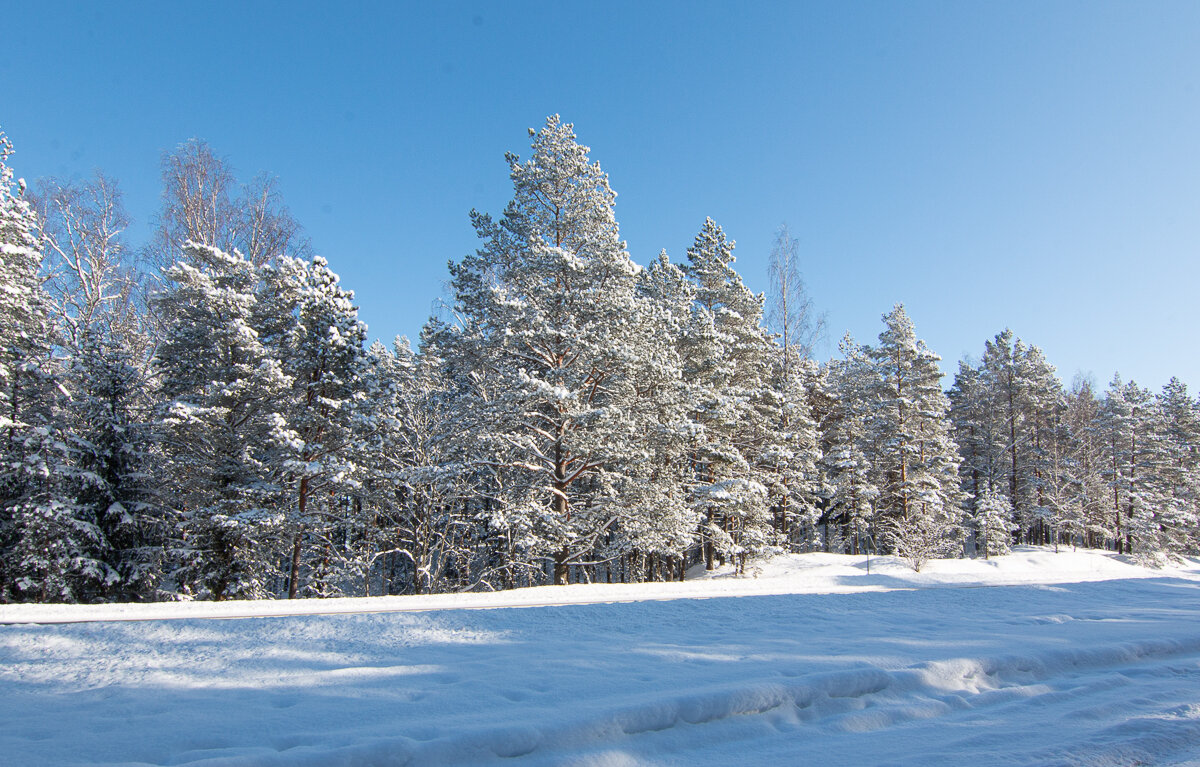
(789, 574)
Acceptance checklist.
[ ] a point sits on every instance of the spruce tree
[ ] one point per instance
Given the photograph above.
(113, 446)
(51, 548)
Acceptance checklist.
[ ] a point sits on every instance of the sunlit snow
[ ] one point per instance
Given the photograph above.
(1079, 658)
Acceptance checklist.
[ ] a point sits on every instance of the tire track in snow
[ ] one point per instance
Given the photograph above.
(833, 703)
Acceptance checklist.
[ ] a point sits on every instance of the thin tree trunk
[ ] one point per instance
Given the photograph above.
(298, 542)
(561, 570)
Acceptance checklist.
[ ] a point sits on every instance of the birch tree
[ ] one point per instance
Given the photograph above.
(202, 202)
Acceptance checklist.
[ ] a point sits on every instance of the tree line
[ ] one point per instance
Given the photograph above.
(202, 417)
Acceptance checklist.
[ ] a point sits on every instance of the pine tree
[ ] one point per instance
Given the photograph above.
(1000, 370)
(848, 446)
(665, 522)
(560, 330)
(993, 523)
(790, 452)
(974, 432)
(1178, 439)
(918, 461)
(1086, 462)
(1131, 423)
(1008, 413)
(320, 345)
(737, 408)
(1043, 406)
(222, 424)
(1019, 405)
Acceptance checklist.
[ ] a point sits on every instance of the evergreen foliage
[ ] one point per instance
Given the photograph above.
(574, 417)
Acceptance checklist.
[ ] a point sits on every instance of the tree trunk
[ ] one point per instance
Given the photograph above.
(1132, 490)
(1012, 441)
(294, 575)
(561, 567)
(298, 542)
(708, 549)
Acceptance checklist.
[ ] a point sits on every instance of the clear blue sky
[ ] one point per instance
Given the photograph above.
(1026, 164)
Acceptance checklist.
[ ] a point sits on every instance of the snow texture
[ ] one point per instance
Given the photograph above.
(1030, 658)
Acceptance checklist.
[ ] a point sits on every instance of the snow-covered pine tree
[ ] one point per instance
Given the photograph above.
(1024, 402)
(1128, 423)
(848, 445)
(562, 333)
(666, 523)
(374, 418)
(1043, 402)
(1178, 440)
(993, 523)
(222, 425)
(1146, 459)
(918, 460)
(789, 452)
(704, 367)
(320, 345)
(737, 408)
(1004, 389)
(1086, 462)
(970, 414)
(1007, 411)
(58, 551)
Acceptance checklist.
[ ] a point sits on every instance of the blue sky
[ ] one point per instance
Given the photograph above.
(1034, 165)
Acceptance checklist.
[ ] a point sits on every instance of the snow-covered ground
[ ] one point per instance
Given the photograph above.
(1079, 658)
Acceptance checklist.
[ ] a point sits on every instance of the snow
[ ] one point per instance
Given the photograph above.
(1031, 658)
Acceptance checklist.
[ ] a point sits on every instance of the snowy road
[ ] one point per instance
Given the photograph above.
(1093, 673)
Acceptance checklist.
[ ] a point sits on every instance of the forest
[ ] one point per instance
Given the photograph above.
(201, 416)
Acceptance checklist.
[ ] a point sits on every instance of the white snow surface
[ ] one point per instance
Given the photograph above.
(1034, 658)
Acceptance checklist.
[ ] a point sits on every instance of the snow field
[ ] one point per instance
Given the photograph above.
(806, 574)
(928, 672)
